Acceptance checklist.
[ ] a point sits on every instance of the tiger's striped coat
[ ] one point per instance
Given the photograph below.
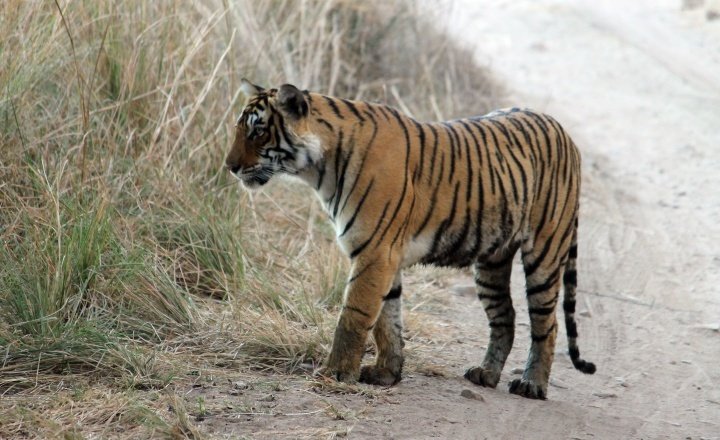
(468, 192)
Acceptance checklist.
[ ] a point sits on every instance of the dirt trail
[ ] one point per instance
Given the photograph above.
(639, 91)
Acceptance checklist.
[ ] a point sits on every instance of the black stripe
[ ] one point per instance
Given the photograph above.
(360, 272)
(431, 208)
(532, 267)
(541, 310)
(494, 296)
(543, 128)
(570, 327)
(456, 137)
(405, 224)
(505, 222)
(362, 247)
(353, 109)
(333, 106)
(394, 293)
(490, 167)
(532, 138)
(491, 286)
(340, 187)
(481, 196)
(502, 160)
(570, 277)
(321, 174)
(496, 305)
(515, 142)
(451, 139)
(501, 324)
(401, 199)
(370, 107)
(469, 178)
(421, 134)
(498, 264)
(445, 224)
(552, 300)
(338, 154)
(569, 306)
(451, 254)
(434, 153)
(359, 172)
(548, 284)
(573, 252)
(356, 310)
(543, 337)
(565, 236)
(325, 123)
(358, 208)
(385, 111)
(517, 123)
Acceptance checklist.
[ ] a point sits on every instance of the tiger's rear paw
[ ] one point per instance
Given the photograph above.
(528, 389)
(482, 377)
(372, 375)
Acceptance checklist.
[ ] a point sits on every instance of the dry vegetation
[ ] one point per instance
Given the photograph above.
(130, 265)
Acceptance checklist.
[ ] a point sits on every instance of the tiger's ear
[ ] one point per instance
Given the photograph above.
(291, 101)
(250, 89)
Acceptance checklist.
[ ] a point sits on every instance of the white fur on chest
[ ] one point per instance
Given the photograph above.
(413, 251)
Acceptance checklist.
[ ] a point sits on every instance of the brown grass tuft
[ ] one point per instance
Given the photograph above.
(129, 259)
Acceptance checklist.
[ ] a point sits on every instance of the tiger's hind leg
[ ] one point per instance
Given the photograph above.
(493, 285)
(387, 333)
(543, 273)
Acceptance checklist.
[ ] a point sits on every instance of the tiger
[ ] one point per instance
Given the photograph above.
(462, 193)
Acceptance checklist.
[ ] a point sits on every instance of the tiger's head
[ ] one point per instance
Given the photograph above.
(272, 135)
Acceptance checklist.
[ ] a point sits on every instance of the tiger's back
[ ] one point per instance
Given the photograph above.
(468, 192)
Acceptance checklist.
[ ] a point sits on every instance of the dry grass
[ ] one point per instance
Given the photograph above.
(128, 261)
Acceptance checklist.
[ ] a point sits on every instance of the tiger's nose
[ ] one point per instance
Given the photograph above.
(233, 168)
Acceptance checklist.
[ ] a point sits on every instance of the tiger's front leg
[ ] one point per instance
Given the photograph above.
(388, 341)
(370, 280)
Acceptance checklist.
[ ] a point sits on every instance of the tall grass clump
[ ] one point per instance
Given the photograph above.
(126, 252)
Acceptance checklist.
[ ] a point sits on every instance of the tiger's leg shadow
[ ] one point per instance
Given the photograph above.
(387, 333)
(492, 278)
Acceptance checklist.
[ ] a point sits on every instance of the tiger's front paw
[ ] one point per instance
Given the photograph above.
(341, 376)
(528, 389)
(481, 376)
(373, 375)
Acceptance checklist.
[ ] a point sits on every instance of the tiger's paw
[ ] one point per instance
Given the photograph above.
(340, 376)
(482, 377)
(373, 375)
(528, 389)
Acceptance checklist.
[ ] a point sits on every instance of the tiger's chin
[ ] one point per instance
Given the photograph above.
(254, 182)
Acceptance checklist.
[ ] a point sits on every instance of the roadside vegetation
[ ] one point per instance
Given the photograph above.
(130, 262)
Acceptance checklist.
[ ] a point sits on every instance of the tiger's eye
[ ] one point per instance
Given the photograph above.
(256, 132)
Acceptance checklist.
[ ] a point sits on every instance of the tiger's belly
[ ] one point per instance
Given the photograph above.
(463, 244)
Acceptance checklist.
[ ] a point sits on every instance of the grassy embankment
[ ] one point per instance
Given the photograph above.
(128, 258)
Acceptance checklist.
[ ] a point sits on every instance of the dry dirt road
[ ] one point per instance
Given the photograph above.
(637, 84)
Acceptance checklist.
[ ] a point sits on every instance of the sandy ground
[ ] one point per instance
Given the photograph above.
(637, 84)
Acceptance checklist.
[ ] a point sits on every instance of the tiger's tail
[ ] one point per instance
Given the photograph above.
(570, 287)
